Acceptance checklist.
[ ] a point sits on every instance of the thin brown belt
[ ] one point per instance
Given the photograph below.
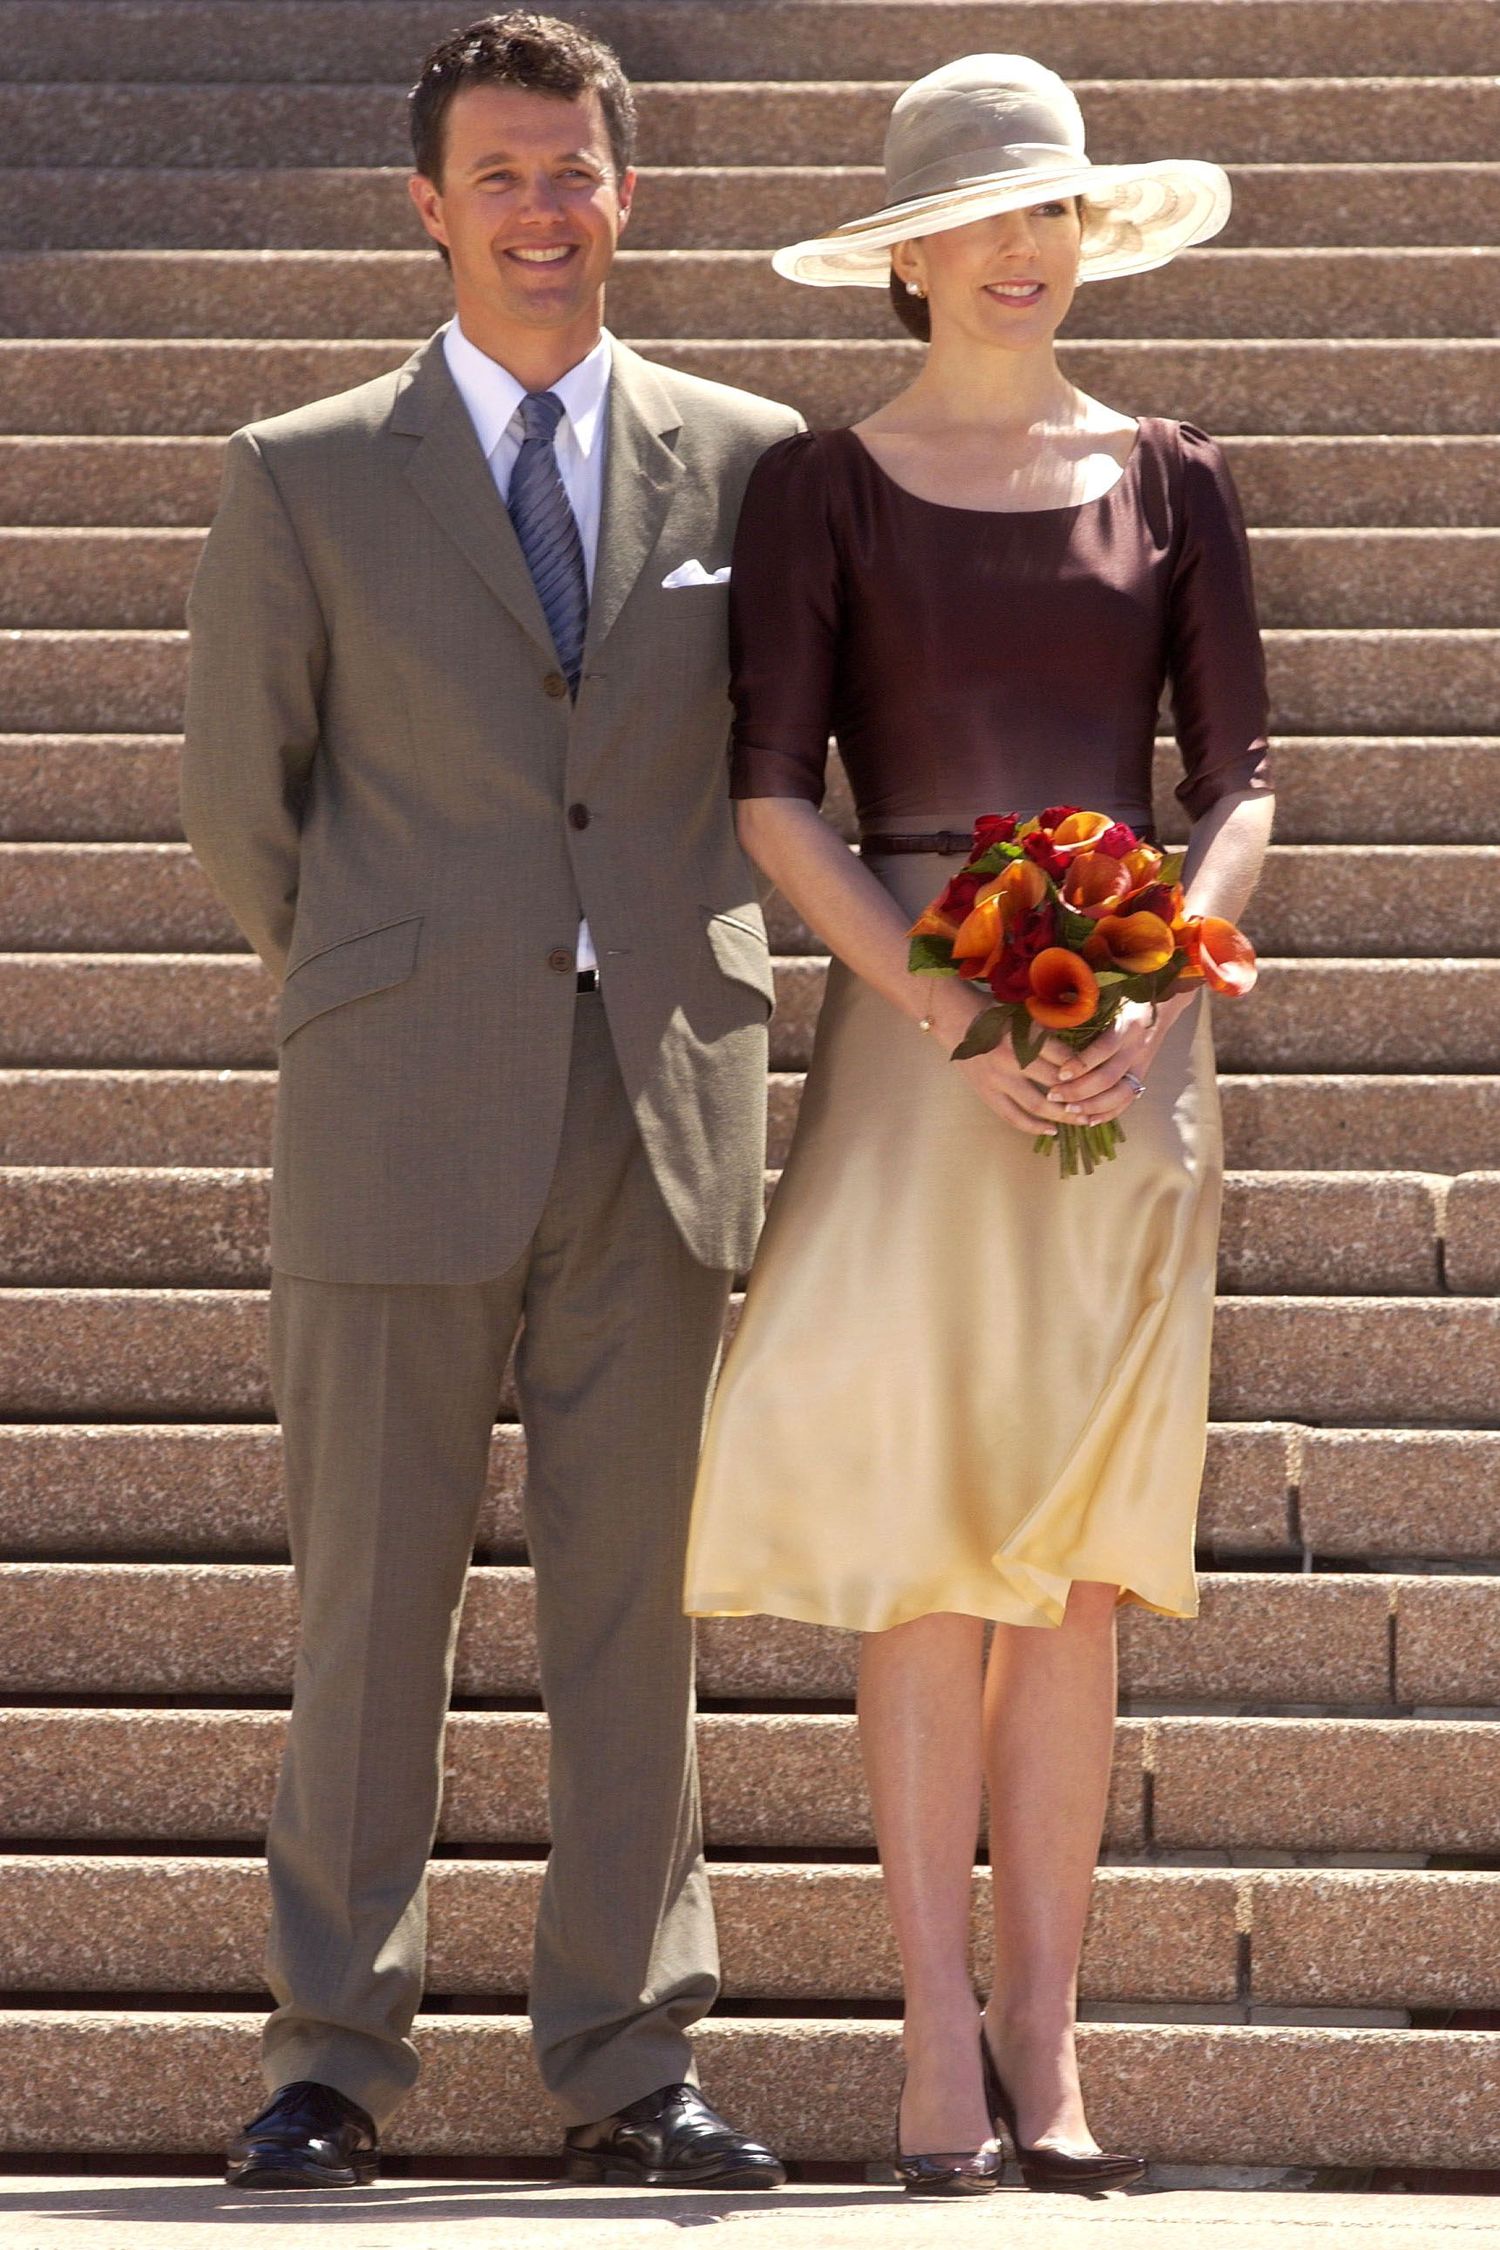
(949, 843)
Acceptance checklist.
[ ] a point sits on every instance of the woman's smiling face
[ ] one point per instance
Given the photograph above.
(1008, 279)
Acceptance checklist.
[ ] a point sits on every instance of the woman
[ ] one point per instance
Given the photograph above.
(964, 1389)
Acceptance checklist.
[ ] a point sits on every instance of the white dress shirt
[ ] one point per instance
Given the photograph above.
(493, 398)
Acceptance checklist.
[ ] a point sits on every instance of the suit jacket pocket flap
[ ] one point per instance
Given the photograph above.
(348, 971)
(743, 954)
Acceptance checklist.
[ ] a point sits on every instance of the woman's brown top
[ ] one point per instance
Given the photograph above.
(971, 659)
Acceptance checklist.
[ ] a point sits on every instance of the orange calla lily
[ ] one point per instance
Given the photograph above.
(1094, 883)
(1064, 990)
(1143, 865)
(1220, 953)
(1020, 887)
(1138, 943)
(979, 935)
(930, 923)
(1079, 830)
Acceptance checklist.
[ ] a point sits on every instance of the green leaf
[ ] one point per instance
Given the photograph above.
(984, 1033)
(1171, 868)
(991, 861)
(930, 955)
(1105, 978)
(1072, 929)
(1027, 1039)
(1141, 987)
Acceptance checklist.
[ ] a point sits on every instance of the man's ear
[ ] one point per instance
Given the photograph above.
(625, 197)
(428, 199)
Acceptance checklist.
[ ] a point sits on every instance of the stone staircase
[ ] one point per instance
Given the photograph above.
(1295, 1952)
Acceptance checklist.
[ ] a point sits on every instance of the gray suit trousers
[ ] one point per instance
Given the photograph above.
(386, 1396)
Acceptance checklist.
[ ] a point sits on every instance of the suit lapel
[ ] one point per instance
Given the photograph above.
(641, 475)
(453, 478)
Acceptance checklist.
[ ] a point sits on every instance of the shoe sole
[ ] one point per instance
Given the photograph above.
(587, 2173)
(277, 2176)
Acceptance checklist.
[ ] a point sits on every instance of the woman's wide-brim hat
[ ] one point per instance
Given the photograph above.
(993, 133)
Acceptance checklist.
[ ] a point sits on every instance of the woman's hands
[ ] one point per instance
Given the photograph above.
(1062, 1086)
(1017, 1096)
(1091, 1087)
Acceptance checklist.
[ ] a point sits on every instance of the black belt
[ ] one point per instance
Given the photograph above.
(588, 980)
(946, 843)
(949, 843)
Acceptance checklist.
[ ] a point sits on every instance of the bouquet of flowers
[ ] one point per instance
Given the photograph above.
(1064, 918)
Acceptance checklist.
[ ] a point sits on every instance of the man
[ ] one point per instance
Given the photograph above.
(455, 759)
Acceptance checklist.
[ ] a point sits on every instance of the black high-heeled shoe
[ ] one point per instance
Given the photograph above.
(1053, 2169)
(959, 2171)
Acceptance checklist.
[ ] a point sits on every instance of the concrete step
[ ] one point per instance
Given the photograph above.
(1267, 1937)
(78, 387)
(1299, 119)
(1319, 293)
(200, 1010)
(111, 788)
(1369, 681)
(1284, 1233)
(785, 1782)
(384, 39)
(1273, 1122)
(1194, 2094)
(683, 207)
(1313, 899)
(86, 1629)
(138, 483)
(142, 1354)
(214, 1489)
(138, 579)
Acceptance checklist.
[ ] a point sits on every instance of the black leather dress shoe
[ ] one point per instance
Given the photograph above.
(308, 2136)
(669, 2139)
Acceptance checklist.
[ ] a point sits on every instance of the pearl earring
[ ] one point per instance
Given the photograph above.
(915, 289)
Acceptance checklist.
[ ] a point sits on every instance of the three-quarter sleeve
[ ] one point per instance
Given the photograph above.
(1215, 663)
(783, 626)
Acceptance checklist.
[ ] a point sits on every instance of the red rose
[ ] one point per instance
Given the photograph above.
(1163, 899)
(1116, 841)
(1055, 815)
(1041, 848)
(1010, 979)
(957, 901)
(1035, 931)
(993, 828)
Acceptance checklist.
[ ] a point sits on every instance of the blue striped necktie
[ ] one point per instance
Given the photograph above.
(548, 532)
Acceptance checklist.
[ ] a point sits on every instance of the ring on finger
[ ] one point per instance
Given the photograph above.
(1137, 1085)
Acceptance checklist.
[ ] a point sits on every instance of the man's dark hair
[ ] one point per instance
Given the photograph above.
(535, 53)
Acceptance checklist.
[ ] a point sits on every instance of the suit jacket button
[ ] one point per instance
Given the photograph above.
(578, 816)
(554, 684)
(559, 959)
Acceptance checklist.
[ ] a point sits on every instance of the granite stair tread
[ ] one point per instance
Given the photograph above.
(1319, 293)
(749, 207)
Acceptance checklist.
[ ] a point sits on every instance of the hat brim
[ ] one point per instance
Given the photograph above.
(1141, 216)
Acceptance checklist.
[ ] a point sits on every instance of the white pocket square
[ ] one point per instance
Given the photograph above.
(694, 574)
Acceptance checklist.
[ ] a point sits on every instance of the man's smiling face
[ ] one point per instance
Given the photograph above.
(529, 208)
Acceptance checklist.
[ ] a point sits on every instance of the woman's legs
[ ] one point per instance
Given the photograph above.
(919, 1718)
(1048, 1732)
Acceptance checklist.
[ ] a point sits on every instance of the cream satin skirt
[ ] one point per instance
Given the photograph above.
(960, 1382)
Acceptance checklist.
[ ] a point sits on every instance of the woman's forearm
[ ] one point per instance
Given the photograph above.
(1226, 849)
(842, 903)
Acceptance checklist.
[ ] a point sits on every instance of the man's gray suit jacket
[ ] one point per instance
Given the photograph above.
(389, 786)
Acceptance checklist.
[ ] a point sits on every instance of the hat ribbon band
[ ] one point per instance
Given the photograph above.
(1045, 158)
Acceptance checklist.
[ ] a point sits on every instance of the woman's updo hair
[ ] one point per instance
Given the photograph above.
(915, 314)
